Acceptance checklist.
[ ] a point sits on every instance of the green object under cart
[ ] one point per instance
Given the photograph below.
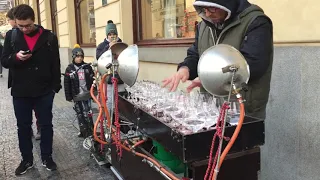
(168, 159)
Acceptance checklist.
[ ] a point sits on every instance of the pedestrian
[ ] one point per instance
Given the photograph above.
(33, 58)
(78, 80)
(12, 22)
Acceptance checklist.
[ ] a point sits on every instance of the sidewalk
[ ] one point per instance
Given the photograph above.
(73, 161)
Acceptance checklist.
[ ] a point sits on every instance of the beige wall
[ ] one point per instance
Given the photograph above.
(105, 13)
(63, 27)
(120, 12)
(66, 20)
(45, 14)
(293, 20)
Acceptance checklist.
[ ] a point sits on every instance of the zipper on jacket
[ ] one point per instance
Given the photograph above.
(213, 36)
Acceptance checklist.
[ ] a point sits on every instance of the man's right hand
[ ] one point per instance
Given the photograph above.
(23, 57)
(173, 81)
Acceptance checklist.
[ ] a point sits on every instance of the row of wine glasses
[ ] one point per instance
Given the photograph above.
(185, 112)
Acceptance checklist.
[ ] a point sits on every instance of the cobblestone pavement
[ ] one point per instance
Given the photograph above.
(73, 161)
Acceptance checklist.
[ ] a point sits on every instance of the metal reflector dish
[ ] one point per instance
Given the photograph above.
(103, 61)
(118, 47)
(211, 64)
(129, 65)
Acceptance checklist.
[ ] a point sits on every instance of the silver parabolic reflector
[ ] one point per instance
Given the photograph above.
(129, 65)
(210, 66)
(106, 57)
(103, 61)
(118, 47)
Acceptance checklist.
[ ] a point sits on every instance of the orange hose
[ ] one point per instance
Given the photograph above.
(98, 118)
(138, 144)
(104, 106)
(233, 138)
(103, 98)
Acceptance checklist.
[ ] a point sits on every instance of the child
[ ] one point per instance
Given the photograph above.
(112, 38)
(78, 85)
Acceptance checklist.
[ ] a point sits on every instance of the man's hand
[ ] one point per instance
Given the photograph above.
(181, 75)
(195, 83)
(23, 57)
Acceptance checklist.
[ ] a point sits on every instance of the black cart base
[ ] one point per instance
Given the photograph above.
(241, 166)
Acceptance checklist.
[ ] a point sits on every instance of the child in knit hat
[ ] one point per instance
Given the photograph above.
(78, 80)
(111, 38)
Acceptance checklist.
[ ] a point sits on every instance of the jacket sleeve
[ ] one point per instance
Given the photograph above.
(8, 58)
(257, 46)
(1, 49)
(67, 85)
(101, 49)
(55, 68)
(91, 74)
(192, 59)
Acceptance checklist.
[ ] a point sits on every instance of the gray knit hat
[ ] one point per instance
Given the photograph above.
(111, 28)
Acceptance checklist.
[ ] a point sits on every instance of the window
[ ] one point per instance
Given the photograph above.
(104, 2)
(54, 17)
(164, 22)
(38, 12)
(86, 31)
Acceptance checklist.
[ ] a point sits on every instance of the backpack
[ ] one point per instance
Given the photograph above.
(14, 36)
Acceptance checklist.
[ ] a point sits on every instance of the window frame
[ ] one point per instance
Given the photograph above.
(54, 15)
(38, 12)
(137, 33)
(79, 24)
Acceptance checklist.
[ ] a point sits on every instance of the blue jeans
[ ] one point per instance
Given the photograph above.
(23, 107)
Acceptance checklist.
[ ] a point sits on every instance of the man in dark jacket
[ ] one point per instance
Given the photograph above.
(34, 61)
(243, 26)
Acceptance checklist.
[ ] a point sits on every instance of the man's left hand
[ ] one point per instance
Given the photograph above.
(194, 83)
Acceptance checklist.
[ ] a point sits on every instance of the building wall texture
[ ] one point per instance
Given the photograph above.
(292, 138)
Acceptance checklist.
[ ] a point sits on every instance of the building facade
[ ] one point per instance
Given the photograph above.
(164, 29)
(157, 26)
(83, 22)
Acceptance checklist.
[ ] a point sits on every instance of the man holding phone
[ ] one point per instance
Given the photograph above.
(34, 60)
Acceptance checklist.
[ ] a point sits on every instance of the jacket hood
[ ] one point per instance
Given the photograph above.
(232, 7)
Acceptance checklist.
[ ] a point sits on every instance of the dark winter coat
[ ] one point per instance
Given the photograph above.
(71, 85)
(38, 75)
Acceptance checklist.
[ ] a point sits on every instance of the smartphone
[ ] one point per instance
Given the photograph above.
(26, 52)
